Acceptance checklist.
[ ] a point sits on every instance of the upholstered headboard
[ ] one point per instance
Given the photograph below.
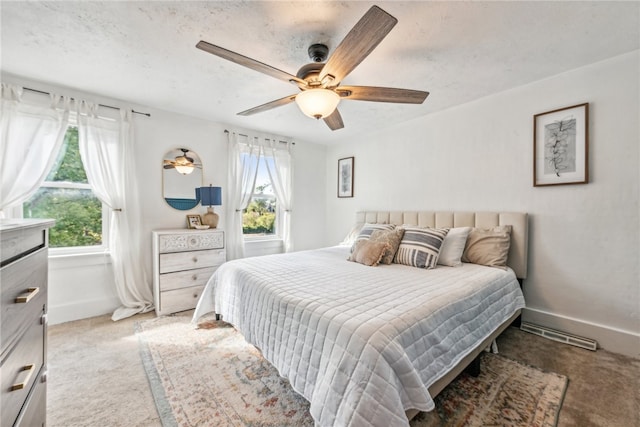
(445, 219)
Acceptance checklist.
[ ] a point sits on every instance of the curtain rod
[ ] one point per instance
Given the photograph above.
(247, 136)
(101, 105)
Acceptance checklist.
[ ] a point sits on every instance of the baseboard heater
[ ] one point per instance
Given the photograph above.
(559, 336)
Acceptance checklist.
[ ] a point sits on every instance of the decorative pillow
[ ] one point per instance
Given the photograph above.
(453, 246)
(367, 229)
(420, 247)
(368, 253)
(488, 246)
(392, 237)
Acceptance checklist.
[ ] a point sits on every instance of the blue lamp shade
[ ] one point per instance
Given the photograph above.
(210, 196)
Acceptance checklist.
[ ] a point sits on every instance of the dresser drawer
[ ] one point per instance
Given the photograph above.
(17, 242)
(17, 278)
(20, 370)
(188, 260)
(34, 413)
(180, 299)
(200, 240)
(184, 279)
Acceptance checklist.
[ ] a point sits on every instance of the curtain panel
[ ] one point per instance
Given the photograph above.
(105, 149)
(244, 154)
(30, 138)
(281, 172)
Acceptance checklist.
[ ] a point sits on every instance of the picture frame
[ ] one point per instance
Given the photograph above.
(345, 177)
(193, 220)
(561, 146)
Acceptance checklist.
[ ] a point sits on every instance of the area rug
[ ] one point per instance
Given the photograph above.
(209, 376)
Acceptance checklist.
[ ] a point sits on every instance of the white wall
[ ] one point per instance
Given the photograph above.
(583, 254)
(82, 286)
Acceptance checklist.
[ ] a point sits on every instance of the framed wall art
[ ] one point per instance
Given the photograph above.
(345, 177)
(561, 146)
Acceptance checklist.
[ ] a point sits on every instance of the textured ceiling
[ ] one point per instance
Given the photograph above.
(144, 52)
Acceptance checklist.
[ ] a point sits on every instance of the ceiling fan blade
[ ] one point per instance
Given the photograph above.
(268, 106)
(334, 120)
(382, 94)
(249, 63)
(361, 40)
(169, 166)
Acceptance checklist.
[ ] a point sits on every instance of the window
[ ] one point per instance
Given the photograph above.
(65, 195)
(260, 219)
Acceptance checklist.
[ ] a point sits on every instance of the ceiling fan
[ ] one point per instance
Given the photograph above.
(319, 81)
(183, 164)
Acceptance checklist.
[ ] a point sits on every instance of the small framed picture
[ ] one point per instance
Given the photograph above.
(345, 177)
(193, 220)
(561, 146)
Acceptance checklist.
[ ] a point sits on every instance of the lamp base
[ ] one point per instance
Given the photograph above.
(210, 218)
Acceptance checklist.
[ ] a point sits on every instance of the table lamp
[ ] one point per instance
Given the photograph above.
(210, 196)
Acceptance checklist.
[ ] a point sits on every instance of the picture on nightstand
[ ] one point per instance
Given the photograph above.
(193, 221)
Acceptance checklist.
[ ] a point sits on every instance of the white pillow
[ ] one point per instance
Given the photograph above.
(350, 238)
(453, 246)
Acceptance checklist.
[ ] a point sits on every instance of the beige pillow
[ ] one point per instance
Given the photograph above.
(488, 246)
(367, 229)
(368, 253)
(392, 237)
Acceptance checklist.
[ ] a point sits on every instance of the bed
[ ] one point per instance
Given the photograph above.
(371, 345)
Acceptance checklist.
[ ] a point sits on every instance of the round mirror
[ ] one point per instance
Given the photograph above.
(181, 175)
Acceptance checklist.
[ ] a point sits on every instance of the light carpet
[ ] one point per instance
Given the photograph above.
(210, 376)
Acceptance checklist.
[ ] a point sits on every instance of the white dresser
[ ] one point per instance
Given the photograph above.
(23, 323)
(183, 262)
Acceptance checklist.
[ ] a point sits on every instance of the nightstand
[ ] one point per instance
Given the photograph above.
(183, 262)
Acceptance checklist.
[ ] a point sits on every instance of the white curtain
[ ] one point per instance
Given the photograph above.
(281, 172)
(30, 138)
(106, 152)
(244, 154)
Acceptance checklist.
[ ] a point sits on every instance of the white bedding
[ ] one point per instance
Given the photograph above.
(362, 344)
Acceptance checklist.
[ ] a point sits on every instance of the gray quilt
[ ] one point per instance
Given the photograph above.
(362, 344)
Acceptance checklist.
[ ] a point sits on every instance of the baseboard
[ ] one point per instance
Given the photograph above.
(81, 310)
(609, 338)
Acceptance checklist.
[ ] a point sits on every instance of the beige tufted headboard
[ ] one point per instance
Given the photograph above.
(445, 219)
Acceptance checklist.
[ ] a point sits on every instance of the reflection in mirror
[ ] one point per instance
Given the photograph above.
(181, 175)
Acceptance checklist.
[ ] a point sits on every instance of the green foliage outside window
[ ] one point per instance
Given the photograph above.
(259, 217)
(78, 213)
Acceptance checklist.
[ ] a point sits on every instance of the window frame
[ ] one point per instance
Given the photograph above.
(105, 213)
(277, 235)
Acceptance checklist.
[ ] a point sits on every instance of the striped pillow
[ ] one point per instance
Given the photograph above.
(367, 229)
(420, 247)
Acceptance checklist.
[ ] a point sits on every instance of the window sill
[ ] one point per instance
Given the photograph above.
(73, 260)
(262, 239)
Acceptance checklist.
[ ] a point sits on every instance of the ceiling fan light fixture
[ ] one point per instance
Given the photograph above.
(185, 169)
(317, 103)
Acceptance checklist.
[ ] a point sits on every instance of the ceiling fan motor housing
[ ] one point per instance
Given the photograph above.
(318, 52)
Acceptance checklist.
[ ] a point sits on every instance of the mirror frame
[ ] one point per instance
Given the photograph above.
(186, 203)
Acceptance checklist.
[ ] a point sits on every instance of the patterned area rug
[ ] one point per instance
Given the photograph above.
(209, 376)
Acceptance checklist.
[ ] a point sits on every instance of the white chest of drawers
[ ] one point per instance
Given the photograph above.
(183, 262)
(23, 323)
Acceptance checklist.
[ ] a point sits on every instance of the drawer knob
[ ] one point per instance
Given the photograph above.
(194, 277)
(23, 377)
(27, 296)
(195, 295)
(195, 259)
